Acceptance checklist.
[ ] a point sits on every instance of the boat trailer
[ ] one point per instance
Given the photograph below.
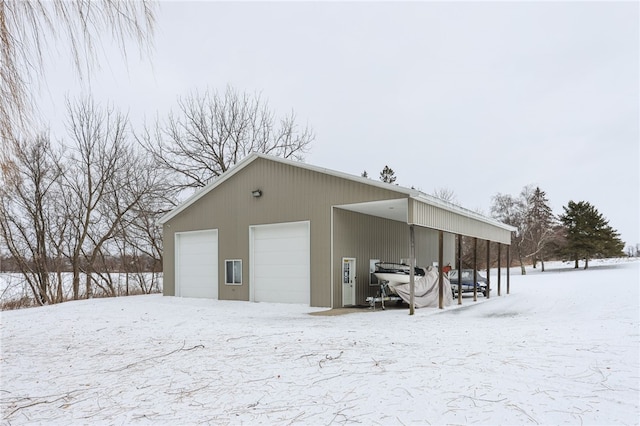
(384, 295)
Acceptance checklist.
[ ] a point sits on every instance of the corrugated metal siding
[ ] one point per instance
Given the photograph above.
(367, 237)
(423, 214)
(289, 194)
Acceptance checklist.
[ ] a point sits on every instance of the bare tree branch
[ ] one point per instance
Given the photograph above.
(445, 194)
(28, 213)
(212, 132)
(29, 28)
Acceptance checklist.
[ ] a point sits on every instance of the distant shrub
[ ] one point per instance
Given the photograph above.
(23, 302)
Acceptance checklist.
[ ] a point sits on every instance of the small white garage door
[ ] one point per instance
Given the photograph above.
(197, 264)
(280, 263)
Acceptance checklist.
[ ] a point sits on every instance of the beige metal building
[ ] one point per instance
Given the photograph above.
(275, 230)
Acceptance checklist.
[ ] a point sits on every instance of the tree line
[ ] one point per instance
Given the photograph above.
(88, 204)
(580, 233)
(69, 206)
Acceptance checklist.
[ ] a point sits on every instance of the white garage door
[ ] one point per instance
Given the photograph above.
(197, 264)
(280, 263)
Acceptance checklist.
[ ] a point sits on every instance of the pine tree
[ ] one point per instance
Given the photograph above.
(588, 233)
(387, 175)
(539, 225)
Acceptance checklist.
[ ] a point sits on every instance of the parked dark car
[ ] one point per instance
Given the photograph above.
(467, 282)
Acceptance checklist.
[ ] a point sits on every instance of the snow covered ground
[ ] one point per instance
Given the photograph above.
(562, 348)
(14, 287)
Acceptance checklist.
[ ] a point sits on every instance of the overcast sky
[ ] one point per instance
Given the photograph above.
(479, 98)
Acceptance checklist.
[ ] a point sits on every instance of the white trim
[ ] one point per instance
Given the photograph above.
(355, 277)
(251, 267)
(225, 271)
(331, 258)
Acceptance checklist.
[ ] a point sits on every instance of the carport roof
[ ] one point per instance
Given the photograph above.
(398, 209)
(409, 207)
(430, 212)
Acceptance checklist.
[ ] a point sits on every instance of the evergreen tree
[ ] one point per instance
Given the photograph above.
(588, 233)
(387, 175)
(539, 225)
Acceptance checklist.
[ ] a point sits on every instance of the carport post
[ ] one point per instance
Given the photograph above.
(488, 268)
(499, 264)
(440, 272)
(459, 269)
(412, 261)
(508, 267)
(475, 269)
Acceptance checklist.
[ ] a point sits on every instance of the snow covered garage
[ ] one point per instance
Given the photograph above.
(275, 230)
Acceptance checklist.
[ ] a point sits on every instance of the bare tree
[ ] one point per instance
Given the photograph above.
(538, 234)
(72, 214)
(114, 191)
(445, 194)
(512, 211)
(138, 240)
(212, 132)
(28, 28)
(100, 185)
(29, 216)
(143, 235)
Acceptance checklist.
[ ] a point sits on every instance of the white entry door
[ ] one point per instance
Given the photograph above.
(348, 281)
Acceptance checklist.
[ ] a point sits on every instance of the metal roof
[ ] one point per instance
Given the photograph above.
(399, 209)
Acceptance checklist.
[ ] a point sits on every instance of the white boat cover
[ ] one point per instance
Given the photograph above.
(426, 290)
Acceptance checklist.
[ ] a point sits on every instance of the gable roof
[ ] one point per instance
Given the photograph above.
(419, 196)
(254, 156)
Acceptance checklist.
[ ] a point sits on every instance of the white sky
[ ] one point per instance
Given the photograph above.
(479, 98)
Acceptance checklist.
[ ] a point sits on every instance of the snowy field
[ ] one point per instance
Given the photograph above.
(13, 286)
(562, 348)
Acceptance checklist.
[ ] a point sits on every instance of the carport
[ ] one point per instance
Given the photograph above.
(424, 211)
